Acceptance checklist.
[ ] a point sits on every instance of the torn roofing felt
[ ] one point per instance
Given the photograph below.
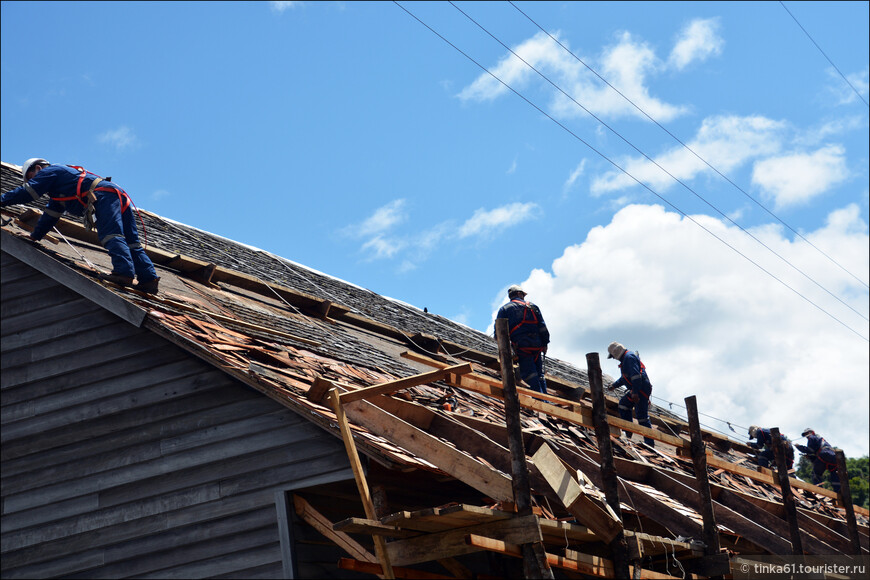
(292, 333)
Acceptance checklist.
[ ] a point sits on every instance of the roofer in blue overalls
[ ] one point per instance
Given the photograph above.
(764, 444)
(76, 191)
(529, 337)
(823, 457)
(633, 377)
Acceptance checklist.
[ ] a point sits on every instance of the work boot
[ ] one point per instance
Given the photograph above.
(149, 287)
(118, 279)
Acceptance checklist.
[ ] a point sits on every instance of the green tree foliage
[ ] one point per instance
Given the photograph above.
(859, 477)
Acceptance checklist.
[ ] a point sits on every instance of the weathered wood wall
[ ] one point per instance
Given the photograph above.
(123, 455)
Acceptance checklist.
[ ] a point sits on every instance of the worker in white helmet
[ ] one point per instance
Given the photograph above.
(633, 376)
(75, 191)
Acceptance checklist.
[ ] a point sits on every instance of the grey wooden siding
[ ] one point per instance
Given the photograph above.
(123, 455)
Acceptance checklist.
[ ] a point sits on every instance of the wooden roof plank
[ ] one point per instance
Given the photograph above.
(371, 528)
(451, 543)
(448, 459)
(599, 518)
(404, 383)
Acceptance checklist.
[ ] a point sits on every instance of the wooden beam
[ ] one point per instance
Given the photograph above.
(479, 383)
(319, 389)
(645, 504)
(610, 481)
(371, 528)
(482, 446)
(761, 527)
(447, 458)
(603, 522)
(846, 501)
(404, 383)
(702, 483)
(451, 543)
(763, 514)
(733, 520)
(320, 523)
(488, 386)
(787, 496)
(534, 558)
(359, 476)
(572, 560)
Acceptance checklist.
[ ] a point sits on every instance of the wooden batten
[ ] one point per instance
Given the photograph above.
(598, 518)
(359, 476)
(391, 387)
(529, 399)
(451, 543)
(322, 524)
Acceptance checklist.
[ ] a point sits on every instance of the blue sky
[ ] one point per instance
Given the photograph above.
(689, 178)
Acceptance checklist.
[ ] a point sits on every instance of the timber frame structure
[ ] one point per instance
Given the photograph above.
(300, 426)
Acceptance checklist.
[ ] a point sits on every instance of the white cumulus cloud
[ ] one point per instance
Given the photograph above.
(796, 178)
(709, 323)
(383, 219)
(627, 64)
(486, 222)
(280, 6)
(725, 142)
(121, 138)
(697, 42)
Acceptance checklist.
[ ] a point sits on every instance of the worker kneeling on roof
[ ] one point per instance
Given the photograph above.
(764, 443)
(823, 456)
(634, 377)
(76, 191)
(528, 335)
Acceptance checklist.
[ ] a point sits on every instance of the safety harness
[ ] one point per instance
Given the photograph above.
(88, 197)
(637, 376)
(824, 445)
(531, 350)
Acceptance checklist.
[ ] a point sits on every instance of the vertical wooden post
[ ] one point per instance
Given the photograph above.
(362, 485)
(846, 501)
(535, 562)
(785, 488)
(702, 481)
(610, 480)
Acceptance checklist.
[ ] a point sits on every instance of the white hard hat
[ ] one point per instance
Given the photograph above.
(806, 432)
(30, 163)
(516, 288)
(753, 431)
(616, 350)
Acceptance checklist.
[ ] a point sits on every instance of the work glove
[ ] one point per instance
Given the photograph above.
(634, 397)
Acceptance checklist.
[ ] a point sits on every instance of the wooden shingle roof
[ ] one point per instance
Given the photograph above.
(293, 333)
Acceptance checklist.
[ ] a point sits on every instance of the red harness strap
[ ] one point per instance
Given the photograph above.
(526, 308)
(82, 196)
(832, 467)
(536, 350)
(628, 380)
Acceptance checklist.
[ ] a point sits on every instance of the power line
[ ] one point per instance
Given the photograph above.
(823, 54)
(689, 149)
(603, 156)
(654, 162)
